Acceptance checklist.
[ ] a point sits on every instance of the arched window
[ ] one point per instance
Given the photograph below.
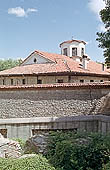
(65, 52)
(82, 51)
(74, 51)
(35, 60)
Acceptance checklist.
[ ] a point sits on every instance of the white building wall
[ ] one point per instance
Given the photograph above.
(69, 47)
(39, 60)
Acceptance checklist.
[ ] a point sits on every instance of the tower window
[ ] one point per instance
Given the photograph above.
(35, 60)
(82, 51)
(74, 51)
(65, 52)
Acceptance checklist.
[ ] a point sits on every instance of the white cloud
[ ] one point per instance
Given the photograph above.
(96, 6)
(20, 12)
(31, 10)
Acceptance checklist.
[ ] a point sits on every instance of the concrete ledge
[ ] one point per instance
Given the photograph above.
(54, 119)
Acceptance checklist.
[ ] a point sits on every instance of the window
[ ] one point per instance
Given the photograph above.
(23, 81)
(60, 81)
(81, 81)
(82, 51)
(91, 81)
(35, 60)
(11, 81)
(65, 51)
(39, 81)
(74, 51)
(3, 82)
(101, 80)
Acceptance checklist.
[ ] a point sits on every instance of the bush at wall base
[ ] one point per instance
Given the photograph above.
(106, 167)
(32, 163)
(80, 151)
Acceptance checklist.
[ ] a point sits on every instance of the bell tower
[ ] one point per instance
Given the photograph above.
(73, 48)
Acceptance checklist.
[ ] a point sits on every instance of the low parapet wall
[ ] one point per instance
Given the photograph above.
(25, 128)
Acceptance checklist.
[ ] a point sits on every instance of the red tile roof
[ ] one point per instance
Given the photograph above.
(58, 85)
(70, 41)
(60, 64)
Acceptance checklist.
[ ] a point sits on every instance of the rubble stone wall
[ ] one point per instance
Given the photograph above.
(47, 103)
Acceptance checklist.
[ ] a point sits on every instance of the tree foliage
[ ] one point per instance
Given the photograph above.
(104, 37)
(9, 63)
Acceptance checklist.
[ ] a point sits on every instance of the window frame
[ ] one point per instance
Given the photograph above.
(11, 81)
(23, 81)
(101, 80)
(91, 81)
(74, 51)
(39, 81)
(82, 81)
(82, 51)
(60, 81)
(3, 81)
(35, 60)
(65, 51)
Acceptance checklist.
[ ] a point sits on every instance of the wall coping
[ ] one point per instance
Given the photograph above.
(57, 86)
(35, 120)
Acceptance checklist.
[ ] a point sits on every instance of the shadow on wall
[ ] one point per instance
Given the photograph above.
(105, 105)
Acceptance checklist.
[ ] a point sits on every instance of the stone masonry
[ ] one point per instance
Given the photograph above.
(51, 103)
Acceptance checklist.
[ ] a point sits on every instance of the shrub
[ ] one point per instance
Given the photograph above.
(107, 166)
(68, 151)
(32, 163)
(22, 142)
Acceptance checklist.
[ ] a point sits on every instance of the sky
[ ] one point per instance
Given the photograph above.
(28, 25)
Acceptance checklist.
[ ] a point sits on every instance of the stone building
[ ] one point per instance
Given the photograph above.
(71, 66)
(33, 109)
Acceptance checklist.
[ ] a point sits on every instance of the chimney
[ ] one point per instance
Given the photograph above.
(84, 61)
(102, 67)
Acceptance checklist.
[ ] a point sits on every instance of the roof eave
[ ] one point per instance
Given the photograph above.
(66, 73)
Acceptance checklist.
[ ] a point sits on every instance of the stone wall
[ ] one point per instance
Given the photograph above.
(27, 110)
(57, 102)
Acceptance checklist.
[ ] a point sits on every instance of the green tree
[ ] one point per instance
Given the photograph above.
(104, 37)
(80, 151)
(9, 63)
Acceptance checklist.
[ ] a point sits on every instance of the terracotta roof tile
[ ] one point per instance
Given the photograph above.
(61, 64)
(57, 85)
(70, 41)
